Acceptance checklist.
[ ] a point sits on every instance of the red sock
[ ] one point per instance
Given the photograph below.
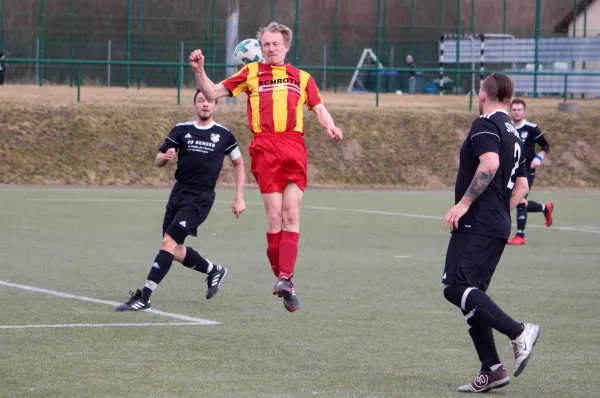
(273, 251)
(288, 251)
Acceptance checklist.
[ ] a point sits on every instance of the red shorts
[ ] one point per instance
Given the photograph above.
(277, 160)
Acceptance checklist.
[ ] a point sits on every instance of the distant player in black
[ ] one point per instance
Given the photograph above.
(491, 181)
(530, 135)
(201, 146)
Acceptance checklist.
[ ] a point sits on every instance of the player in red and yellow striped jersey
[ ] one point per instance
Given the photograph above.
(277, 93)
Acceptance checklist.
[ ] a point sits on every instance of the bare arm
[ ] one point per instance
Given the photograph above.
(488, 165)
(210, 90)
(163, 158)
(238, 205)
(519, 191)
(325, 119)
(239, 176)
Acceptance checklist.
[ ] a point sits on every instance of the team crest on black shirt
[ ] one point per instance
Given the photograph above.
(215, 137)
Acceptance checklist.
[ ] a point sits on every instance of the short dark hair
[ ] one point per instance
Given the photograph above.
(196, 96)
(519, 101)
(498, 87)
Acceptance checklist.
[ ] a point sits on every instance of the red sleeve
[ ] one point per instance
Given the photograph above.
(237, 83)
(313, 97)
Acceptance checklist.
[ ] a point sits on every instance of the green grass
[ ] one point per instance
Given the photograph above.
(370, 324)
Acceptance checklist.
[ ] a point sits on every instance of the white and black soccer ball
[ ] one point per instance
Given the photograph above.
(248, 51)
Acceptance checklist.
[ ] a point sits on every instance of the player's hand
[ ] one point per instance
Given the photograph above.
(238, 207)
(535, 163)
(335, 133)
(454, 214)
(197, 60)
(170, 154)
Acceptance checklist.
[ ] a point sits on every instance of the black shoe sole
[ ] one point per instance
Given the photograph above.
(218, 285)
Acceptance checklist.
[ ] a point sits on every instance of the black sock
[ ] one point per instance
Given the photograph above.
(483, 338)
(535, 207)
(521, 219)
(160, 268)
(487, 311)
(193, 260)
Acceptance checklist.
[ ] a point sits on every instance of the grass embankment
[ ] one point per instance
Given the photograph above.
(112, 135)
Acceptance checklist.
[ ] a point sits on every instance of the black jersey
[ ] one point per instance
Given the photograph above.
(530, 135)
(201, 151)
(489, 214)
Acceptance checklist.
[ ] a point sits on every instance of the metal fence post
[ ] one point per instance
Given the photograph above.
(206, 26)
(179, 77)
(378, 41)
(2, 25)
(79, 82)
(538, 23)
(336, 45)
(41, 45)
(325, 67)
(109, 65)
(214, 38)
(37, 63)
(585, 4)
(412, 27)
(272, 10)
(504, 18)
(139, 43)
(565, 88)
(71, 42)
(574, 33)
(441, 18)
(128, 46)
(296, 30)
(181, 59)
(457, 85)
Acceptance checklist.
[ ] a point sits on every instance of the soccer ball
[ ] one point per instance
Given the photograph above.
(248, 51)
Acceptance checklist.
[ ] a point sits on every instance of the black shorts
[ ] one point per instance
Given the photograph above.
(472, 259)
(186, 210)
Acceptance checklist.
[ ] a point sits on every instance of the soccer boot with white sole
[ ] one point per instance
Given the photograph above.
(135, 303)
(523, 346)
(486, 381)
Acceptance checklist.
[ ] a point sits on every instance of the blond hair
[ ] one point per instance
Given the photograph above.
(276, 27)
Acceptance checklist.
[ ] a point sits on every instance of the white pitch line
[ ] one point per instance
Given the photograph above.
(589, 229)
(401, 256)
(100, 325)
(111, 303)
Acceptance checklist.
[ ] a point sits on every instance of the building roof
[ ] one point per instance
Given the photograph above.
(564, 23)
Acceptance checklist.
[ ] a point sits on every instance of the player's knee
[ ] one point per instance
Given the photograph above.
(454, 294)
(274, 216)
(291, 215)
(168, 244)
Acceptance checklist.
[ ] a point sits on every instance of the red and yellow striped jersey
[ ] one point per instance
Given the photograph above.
(276, 96)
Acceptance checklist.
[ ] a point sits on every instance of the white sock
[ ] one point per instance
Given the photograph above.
(495, 367)
(544, 208)
(210, 266)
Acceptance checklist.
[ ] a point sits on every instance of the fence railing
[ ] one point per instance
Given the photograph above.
(375, 72)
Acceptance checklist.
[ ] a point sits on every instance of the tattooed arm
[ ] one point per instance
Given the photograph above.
(488, 165)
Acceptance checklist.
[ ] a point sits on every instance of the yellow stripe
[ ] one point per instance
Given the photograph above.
(280, 105)
(241, 87)
(304, 76)
(252, 82)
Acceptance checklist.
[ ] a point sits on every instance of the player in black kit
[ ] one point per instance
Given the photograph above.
(491, 181)
(530, 135)
(201, 146)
